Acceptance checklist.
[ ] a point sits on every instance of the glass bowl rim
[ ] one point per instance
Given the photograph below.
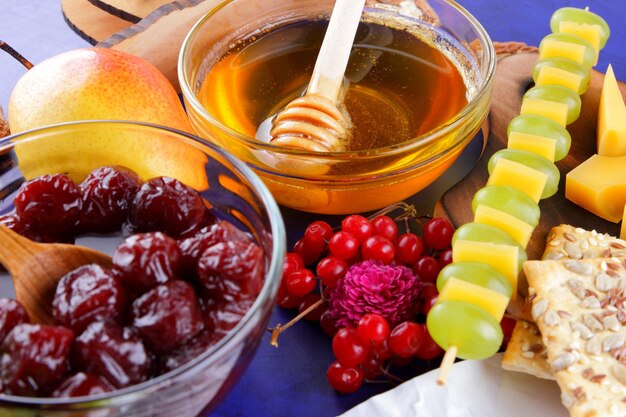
(406, 146)
(196, 365)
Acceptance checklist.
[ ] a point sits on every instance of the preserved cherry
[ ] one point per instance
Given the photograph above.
(167, 315)
(12, 313)
(230, 271)
(221, 318)
(191, 248)
(106, 195)
(34, 358)
(186, 352)
(50, 204)
(82, 384)
(146, 260)
(167, 205)
(113, 352)
(87, 294)
(12, 222)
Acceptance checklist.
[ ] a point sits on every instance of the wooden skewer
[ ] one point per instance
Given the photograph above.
(313, 122)
(446, 364)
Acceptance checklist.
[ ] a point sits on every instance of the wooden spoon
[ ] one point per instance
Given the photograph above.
(37, 267)
(314, 122)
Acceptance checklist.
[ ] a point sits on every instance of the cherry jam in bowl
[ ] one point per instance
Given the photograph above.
(137, 190)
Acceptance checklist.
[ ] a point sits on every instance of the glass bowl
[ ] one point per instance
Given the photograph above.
(349, 181)
(237, 195)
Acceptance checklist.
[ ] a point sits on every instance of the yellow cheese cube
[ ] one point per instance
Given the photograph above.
(550, 109)
(611, 118)
(622, 233)
(516, 228)
(459, 290)
(520, 176)
(504, 258)
(540, 145)
(599, 185)
(551, 75)
(590, 33)
(551, 48)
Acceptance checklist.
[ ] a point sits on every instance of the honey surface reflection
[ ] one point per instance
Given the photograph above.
(397, 86)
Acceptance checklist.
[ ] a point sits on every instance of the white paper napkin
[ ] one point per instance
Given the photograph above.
(473, 389)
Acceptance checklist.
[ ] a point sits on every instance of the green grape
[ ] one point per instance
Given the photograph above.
(475, 333)
(509, 200)
(532, 160)
(568, 65)
(572, 14)
(534, 124)
(478, 232)
(477, 273)
(589, 56)
(559, 94)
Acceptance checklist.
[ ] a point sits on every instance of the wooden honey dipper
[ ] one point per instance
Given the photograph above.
(314, 121)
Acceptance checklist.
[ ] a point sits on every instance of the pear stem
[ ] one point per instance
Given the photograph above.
(8, 49)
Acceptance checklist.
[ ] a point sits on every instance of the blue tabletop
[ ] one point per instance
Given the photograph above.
(291, 381)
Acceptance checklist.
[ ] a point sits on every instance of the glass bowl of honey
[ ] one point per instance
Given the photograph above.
(417, 88)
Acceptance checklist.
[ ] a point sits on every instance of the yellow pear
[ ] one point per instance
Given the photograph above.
(102, 84)
(94, 83)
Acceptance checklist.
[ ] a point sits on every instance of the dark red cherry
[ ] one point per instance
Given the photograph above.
(186, 352)
(82, 384)
(221, 318)
(167, 205)
(13, 222)
(223, 231)
(87, 294)
(106, 195)
(167, 315)
(50, 204)
(232, 271)
(12, 313)
(146, 260)
(34, 358)
(113, 352)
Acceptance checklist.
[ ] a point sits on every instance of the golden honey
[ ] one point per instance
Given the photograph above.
(397, 86)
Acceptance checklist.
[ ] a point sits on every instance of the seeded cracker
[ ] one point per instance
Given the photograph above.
(586, 346)
(525, 352)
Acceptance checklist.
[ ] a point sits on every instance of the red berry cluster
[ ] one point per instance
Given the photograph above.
(171, 293)
(369, 349)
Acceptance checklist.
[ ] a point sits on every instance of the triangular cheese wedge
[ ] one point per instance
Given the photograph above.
(611, 118)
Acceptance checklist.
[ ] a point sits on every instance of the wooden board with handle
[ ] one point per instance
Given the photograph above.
(130, 10)
(90, 22)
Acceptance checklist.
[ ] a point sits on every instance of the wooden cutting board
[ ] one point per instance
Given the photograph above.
(130, 10)
(513, 78)
(90, 22)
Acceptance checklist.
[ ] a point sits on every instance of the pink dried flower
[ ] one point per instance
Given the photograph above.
(372, 287)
